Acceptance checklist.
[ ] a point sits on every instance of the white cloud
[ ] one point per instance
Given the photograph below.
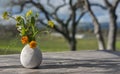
(97, 1)
(64, 12)
(4, 5)
(118, 12)
(103, 18)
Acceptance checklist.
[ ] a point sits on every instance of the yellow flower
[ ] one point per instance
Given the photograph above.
(5, 15)
(18, 18)
(24, 40)
(33, 44)
(51, 24)
(29, 13)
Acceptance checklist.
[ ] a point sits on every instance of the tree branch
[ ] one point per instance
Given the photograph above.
(81, 15)
(51, 5)
(107, 3)
(101, 6)
(116, 2)
(39, 6)
(59, 7)
(22, 4)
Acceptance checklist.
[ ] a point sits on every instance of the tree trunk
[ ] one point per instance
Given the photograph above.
(112, 31)
(74, 24)
(97, 28)
(101, 43)
(71, 41)
(72, 44)
(97, 32)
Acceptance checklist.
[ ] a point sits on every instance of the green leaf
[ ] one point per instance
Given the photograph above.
(32, 20)
(35, 33)
(23, 31)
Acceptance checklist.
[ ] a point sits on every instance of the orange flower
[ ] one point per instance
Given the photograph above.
(24, 39)
(33, 44)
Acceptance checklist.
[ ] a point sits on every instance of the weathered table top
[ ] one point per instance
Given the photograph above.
(80, 62)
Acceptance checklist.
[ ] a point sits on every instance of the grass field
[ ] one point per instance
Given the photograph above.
(48, 43)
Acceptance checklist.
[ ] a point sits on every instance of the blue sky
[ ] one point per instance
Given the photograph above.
(101, 14)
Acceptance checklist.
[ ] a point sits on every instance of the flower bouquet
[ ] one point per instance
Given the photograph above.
(31, 56)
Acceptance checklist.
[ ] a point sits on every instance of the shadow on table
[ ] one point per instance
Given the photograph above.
(117, 53)
(72, 63)
(11, 66)
(113, 64)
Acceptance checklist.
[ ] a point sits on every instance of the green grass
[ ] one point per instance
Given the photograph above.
(48, 44)
(11, 45)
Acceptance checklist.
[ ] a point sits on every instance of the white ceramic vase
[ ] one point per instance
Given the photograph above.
(30, 57)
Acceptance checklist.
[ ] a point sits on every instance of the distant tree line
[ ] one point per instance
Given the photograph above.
(8, 31)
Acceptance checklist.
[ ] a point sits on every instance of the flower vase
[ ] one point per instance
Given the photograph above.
(30, 57)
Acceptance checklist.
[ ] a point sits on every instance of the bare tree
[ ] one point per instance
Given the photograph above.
(112, 33)
(111, 45)
(62, 25)
(97, 28)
